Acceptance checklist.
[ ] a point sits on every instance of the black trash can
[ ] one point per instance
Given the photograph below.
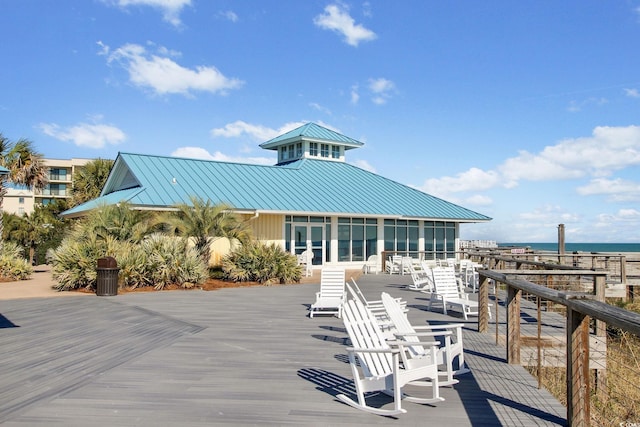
(107, 277)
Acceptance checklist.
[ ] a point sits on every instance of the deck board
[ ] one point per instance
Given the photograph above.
(243, 356)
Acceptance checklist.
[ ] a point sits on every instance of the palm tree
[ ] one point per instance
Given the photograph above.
(204, 221)
(29, 231)
(89, 180)
(118, 221)
(25, 166)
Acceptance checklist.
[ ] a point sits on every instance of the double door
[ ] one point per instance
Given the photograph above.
(310, 237)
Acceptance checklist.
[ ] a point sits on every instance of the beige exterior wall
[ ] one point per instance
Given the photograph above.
(268, 228)
(18, 201)
(265, 228)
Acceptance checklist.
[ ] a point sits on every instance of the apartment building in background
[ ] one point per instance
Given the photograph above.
(22, 200)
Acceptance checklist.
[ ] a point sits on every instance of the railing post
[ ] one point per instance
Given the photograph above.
(578, 389)
(599, 285)
(513, 325)
(483, 305)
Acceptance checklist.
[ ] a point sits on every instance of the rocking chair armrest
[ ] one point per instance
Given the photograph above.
(401, 343)
(423, 334)
(440, 329)
(445, 326)
(372, 350)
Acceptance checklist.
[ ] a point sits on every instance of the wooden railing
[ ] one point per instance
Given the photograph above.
(581, 307)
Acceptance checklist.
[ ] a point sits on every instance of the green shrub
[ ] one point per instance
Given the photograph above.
(13, 266)
(171, 261)
(74, 262)
(156, 261)
(262, 263)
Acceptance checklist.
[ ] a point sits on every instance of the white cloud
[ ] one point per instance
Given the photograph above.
(382, 90)
(164, 76)
(355, 96)
(229, 15)
(575, 106)
(632, 93)
(608, 149)
(618, 190)
(472, 180)
(363, 164)
(91, 135)
(201, 153)
(478, 200)
(170, 8)
(319, 107)
(336, 18)
(257, 132)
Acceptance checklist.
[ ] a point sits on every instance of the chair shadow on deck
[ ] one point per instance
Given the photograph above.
(333, 385)
(6, 323)
(340, 340)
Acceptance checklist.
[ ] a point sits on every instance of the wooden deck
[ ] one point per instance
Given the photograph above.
(246, 356)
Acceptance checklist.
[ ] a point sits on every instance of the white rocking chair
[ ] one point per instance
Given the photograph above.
(412, 334)
(376, 365)
(332, 294)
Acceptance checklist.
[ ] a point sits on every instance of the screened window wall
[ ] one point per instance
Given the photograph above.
(357, 239)
(439, 239)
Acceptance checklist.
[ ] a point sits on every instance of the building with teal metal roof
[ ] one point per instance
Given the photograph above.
(311, 199)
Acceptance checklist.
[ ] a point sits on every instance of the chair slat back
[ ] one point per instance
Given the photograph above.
(332, 281)
(365, 333)
(445, 282)
(400, 321)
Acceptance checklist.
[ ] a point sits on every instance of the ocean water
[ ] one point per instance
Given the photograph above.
(580, 247)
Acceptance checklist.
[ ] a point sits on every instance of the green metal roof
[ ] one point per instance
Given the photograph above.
(311, 132)
(306, 186)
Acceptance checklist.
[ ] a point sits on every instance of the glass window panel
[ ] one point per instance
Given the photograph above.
(439, 242)
(372, 240)
(327, 247)
(344, 238)
(413, 239)
(450, 235)
(357, 220)
(401, 239)
(357, 243)
(300, 236)
(344, 220)
(389, 238)
(287, 237)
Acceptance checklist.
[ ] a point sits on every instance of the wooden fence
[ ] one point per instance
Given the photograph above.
(580, 307)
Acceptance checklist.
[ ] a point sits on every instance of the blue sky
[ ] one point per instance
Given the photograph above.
(525, 111)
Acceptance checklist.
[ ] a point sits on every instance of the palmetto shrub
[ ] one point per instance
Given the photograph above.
(156, 261)
(13, 266)
(171, 261)
(74, 262)
(262, 263)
